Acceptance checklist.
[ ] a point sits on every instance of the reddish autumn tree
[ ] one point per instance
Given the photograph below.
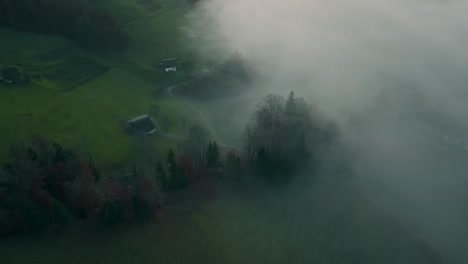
(85, 193)
(114, 192)
(187, 166)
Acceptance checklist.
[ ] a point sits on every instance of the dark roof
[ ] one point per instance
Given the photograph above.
(169, 63)
(10, 73)
(142, 124)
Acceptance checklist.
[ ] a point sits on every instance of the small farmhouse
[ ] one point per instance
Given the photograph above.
(169, 65)
(10, 75)
(141, 125)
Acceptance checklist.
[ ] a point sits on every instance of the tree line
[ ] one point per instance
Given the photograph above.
(77, 20)
(45, 184)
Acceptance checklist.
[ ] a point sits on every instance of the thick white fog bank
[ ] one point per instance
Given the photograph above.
(336, 51)
(394, 74)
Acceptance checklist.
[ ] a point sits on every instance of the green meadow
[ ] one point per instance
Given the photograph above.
(291, 227)
(85, 96)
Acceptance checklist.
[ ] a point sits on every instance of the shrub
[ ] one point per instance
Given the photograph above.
(61, 214)
(142, 208)
(6, 227)
(35, 219)
(112, 213)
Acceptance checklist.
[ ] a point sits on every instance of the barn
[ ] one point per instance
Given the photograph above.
(141, 125)
(169, 65)
(10, 75)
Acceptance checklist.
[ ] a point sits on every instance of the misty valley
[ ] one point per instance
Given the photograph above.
(249, 131)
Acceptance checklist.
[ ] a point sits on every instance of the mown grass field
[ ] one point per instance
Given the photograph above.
(85, 96)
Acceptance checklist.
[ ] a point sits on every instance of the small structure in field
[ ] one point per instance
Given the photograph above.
(169, 65)
(141, 125)
(10, 75)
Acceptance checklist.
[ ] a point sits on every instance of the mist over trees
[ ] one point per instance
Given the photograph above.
(285, 135)
(76, 20)
(44, 184)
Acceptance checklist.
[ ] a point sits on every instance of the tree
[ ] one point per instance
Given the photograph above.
(213, 156)
(112, 212)
(187, 165)
(270, 111)
(94, 170)
(232, 168)
(284, 134)
(196, 145)
(84, 194)
(181, 180)
(250, 134)
(291, 104)
(144, 200)
(161, 178)
(173, 170)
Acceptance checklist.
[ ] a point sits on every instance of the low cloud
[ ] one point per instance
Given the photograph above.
(392, 73)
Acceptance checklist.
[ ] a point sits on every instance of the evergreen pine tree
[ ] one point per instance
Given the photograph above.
(213, 156)
(209, 155)
(161, 178)
(291, 104)
(135, 173)
(172, 165)
(216, 156)
(94, 171)
(264, 163)
(181, 178)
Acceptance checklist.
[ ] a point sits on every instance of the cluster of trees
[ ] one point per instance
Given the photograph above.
(77, 20)
(198, 157)
(285, 135)
(45, 185)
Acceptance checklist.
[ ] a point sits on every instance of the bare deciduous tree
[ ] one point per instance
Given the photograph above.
(196, 144)
(270, 110)
(249, 140)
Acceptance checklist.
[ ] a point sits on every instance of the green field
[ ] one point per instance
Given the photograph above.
(85, 96)
(308, 226)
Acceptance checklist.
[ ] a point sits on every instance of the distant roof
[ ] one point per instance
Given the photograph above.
(142, 124)
(10, 73)
(10, 69)
(172, 62)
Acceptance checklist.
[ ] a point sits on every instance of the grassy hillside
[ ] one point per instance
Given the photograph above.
(338, 227)
(84, 96)
(81, 102)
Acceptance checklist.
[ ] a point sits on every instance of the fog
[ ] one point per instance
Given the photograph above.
(391, 73)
